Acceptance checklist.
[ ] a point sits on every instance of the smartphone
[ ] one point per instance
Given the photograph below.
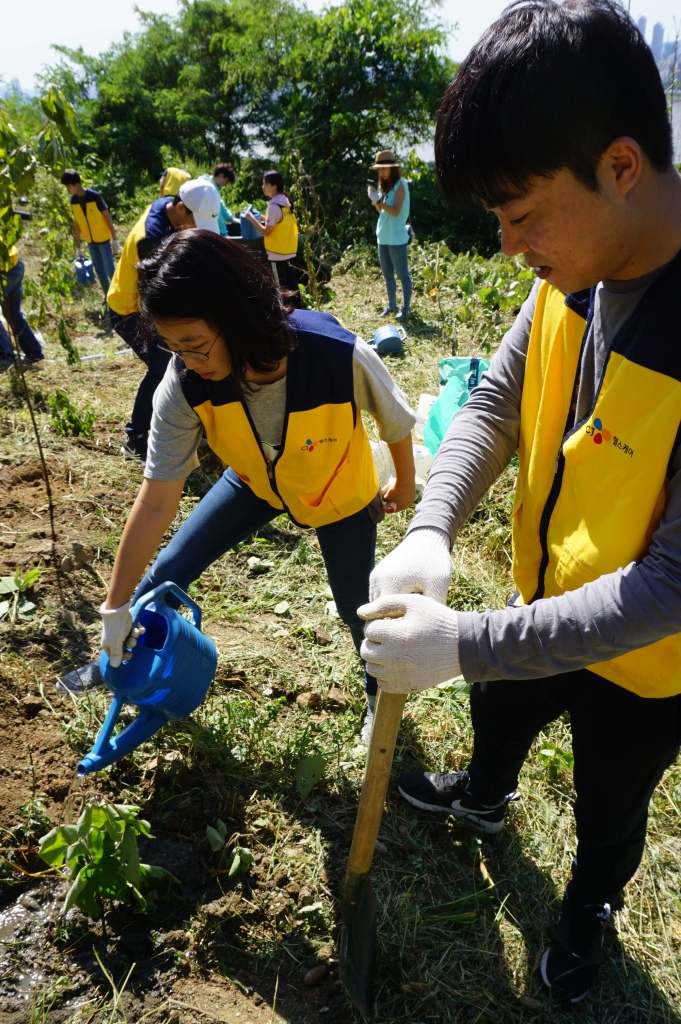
(370, 181)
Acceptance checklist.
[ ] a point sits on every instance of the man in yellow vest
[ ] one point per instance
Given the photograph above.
(557, 122)
(196, 205)
(92, 223)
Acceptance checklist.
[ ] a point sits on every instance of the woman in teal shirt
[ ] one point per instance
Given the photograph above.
(391, 200)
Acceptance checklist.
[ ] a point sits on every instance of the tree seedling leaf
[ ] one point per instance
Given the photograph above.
(308, 773)
(217, 841)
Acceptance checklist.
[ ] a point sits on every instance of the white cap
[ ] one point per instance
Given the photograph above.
(203, 200)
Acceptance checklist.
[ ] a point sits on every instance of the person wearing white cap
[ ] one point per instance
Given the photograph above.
(196, 205)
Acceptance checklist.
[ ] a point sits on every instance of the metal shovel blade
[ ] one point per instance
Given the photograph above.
(358, 937)
(358, 945)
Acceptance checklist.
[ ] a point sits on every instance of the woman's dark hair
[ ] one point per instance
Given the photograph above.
(548, 86)
(386, 184)
(277, 179)
(199, 275)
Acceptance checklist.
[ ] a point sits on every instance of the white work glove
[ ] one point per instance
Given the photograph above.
(117, 633)
(410, 642)
(79, 253)
(421, 564)
(116, 247)
(374, 194)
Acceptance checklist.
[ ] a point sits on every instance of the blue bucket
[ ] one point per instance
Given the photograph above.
(249, 232)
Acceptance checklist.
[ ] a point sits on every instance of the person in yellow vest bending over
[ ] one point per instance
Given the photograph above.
(94, 226)
(196, 205)
(280, 232)
(557, 122)
(170, 181)
(279, 394)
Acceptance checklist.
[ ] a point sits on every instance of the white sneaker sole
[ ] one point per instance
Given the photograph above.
(471, 820)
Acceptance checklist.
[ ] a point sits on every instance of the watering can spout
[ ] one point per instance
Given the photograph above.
(107, 749)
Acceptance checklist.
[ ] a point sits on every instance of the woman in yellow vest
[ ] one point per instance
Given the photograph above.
(280, 232)
(279, 394)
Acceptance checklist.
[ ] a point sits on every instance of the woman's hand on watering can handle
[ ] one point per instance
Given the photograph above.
(117, 633)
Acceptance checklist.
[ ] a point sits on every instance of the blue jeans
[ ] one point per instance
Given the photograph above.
(102, 261)
(231, 512)
(129, 328)
(11, 310)
(393, 260)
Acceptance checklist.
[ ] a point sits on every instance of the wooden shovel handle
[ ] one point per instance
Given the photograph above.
(387, 720)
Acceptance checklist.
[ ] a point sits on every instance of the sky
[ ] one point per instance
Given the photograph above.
(30, 27)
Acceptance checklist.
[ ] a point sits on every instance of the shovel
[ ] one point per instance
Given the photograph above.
(358, 938)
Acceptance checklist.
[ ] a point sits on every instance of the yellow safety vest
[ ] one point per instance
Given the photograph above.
(325, 470)
(588, 501)
(284, 238)
(90, 220)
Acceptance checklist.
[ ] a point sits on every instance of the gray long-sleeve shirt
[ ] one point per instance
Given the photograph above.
(617, 613)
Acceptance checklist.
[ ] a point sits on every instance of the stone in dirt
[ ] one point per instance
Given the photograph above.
(308, 700)
(336, 698)
(316, 975)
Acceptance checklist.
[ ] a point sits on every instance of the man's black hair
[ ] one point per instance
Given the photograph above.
(548, 86)
(226, 170)
(70, 177)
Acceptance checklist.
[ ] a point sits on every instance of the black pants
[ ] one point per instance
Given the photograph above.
(144, 345)
(622, 745)
(286, 276)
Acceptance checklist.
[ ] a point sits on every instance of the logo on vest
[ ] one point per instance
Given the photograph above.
(597, 432)
(310, 445)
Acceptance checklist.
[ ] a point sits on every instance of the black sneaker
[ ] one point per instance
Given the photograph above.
(570, 965)
(135, 448)
(388, 311)
(448, 794)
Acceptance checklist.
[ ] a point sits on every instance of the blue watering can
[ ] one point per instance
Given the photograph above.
(388, 340)
(84, 270)
(167, 676)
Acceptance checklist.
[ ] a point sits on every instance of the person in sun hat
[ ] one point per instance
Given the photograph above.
(196, 205)
(279, 393)
(557, 122)
(391, 201)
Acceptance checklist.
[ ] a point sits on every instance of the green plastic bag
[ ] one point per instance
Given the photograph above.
(458, 376)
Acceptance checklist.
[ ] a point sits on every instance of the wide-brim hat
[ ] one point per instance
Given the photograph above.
(384, 158)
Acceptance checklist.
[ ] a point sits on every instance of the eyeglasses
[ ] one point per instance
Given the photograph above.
(184, 352)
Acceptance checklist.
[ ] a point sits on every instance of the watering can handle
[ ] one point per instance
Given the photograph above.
(402, 333)
(160, 592)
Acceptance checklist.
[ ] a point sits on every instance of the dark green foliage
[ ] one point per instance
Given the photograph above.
(321, 92)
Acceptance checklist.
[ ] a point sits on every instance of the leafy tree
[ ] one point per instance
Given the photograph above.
(329, 88)
(366, 78)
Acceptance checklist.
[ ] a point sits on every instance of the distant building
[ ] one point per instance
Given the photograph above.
(642, 22)
(15, 84)
(658, 41)
(668, 49)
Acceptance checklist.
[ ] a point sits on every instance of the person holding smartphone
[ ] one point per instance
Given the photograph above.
(391, 201)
